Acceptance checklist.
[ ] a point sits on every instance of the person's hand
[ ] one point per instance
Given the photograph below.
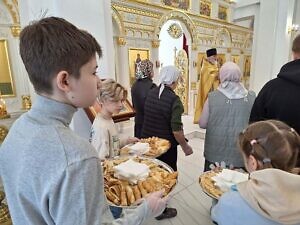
(156, 203)
(187, 150)
(131, 140)
(218, 166)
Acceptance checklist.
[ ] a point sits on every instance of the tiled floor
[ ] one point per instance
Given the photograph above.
(191, 203)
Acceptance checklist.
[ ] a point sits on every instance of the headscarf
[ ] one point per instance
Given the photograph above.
(168, 75)
(230, 77)
(144, 69)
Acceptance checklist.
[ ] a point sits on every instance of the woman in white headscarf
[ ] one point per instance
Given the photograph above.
(162, 118)
(226, 113)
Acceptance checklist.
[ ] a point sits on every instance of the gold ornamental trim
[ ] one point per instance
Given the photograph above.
(205, 19)
(181, 16)
(136, 26)
(135, 11)
(121, 41)
(13, 10)
(155, 43)
(175, 30)
(15, 30)
(119, 20)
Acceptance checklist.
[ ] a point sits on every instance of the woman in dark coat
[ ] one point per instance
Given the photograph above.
(139, 92)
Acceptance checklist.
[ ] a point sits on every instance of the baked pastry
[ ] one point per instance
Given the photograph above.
(208, 185)
(123, 193)
(157, 146)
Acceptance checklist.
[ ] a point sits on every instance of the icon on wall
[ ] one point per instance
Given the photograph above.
(205, 8)
(136, 55)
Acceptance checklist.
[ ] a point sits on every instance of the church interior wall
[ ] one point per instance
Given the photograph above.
(250, 27)
(205, 32)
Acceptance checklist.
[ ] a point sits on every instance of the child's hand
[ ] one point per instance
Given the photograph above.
(132, 140)
(219, 166)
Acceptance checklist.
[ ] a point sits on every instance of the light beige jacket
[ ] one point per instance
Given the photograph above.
(274, 194)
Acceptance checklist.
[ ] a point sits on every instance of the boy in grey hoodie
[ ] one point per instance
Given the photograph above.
(51, 175)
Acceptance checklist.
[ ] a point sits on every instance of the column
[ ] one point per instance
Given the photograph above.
(155, 59)
(123, 77)
(271, 40)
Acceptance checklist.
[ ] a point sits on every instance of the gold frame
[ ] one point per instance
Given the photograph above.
(6, 69)
(125, 114)
(206, 3)
(177, 7)
(247, 70)
(132, 54)
(223, 9)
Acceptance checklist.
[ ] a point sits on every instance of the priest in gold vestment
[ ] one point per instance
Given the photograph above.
(209, 80)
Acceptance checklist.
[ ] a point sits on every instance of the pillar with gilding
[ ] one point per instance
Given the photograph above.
(155, 59)
(122, 69)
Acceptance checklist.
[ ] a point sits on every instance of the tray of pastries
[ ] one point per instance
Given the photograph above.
(218, 181)
(150, 147)
(128, 193)
(208, 185)
(5, 218)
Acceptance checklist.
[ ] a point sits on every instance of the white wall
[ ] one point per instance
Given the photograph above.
(91, 15)
(19, 76)
(167, 44)
(271, 41)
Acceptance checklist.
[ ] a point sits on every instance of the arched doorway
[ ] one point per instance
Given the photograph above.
(174, 49)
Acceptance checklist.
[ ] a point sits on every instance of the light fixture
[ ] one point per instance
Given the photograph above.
(294, 28)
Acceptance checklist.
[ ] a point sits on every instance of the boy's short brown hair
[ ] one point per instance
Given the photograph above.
(51, 45)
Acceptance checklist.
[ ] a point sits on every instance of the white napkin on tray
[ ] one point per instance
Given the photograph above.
(227, 178)
(131, 171)
(139, 148)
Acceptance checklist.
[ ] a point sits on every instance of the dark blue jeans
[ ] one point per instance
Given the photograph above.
(116, 211)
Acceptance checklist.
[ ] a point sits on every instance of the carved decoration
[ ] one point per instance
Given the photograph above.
(15, 30)
(12, 6)
(223, 37)
(182, 89)
(13, 9)
(175, 30)
(121, 41)
(118, 19)
(155, 43)
(183, 17)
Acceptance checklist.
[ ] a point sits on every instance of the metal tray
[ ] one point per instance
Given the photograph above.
(156, 161)
(207, 175)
